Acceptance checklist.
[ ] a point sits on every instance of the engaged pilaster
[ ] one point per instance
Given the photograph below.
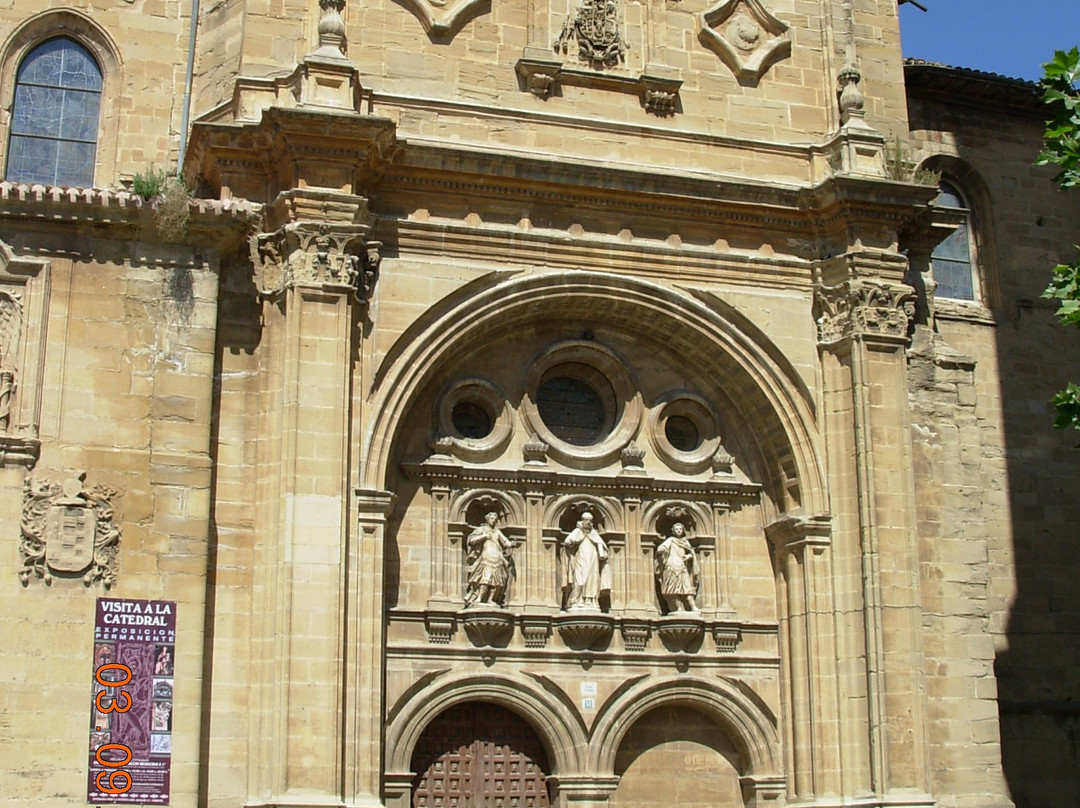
(863, 331)
(314, 269)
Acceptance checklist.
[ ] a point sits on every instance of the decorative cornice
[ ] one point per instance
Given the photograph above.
(441, 469)
(288, 148)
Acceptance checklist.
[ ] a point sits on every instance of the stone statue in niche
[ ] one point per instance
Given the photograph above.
(586, 573)
(10, 332)
(677, 570)
(490, 556)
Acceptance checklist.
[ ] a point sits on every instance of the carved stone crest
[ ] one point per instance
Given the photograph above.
(68, 529)
(597, 29)
(860, 308)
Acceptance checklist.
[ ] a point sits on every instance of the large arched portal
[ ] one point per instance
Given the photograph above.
(676, 755)
(479, 755)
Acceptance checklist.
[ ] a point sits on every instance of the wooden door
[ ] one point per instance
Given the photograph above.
(479, 755)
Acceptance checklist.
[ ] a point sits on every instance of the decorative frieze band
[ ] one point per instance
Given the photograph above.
(864, 309)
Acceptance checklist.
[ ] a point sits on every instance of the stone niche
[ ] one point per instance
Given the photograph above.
(517, 458)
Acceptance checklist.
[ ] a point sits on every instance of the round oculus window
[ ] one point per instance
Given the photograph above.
(573, 409)
(471, 420)
(682, 433)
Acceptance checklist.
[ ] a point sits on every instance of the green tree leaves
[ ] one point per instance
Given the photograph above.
(1061, 139)
(1061, 147)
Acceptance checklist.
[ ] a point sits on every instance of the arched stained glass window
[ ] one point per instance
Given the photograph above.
(952, 260)
(54, 122)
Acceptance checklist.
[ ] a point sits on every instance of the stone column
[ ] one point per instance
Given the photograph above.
(724, 560)
(314, 271)
(863, 333)
(364, 651)
(804, 580)
(536, 595)
(639, 561)
(440, 498)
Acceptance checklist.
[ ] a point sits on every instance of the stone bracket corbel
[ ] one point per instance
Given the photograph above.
(658, 93)
(794, 533)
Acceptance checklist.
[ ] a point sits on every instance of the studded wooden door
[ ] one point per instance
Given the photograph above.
(479, 756)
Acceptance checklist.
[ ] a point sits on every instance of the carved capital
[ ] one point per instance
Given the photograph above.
(317, 254)
(863, 309)
(68, 531)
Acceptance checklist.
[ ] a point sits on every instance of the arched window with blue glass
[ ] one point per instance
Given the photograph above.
(953, 260)
(55, 116)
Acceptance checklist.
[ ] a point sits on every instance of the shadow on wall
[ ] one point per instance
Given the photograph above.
(1032, 588)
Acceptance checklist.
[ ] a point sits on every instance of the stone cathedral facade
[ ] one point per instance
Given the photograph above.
(570, 403)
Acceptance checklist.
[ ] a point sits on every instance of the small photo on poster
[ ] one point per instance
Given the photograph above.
(163, 660)
(161, 718)
(98, 740)
(104, 654)
(160, 744)
(163, 689)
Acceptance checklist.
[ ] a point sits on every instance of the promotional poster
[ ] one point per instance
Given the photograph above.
(132, 702)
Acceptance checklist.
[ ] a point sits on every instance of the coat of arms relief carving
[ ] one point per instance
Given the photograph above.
(596, 27)
(68, 531)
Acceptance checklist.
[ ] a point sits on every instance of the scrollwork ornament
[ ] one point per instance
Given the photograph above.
(864, 309)
(68, 531)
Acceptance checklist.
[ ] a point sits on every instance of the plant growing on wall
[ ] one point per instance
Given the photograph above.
(1061, 147)
(169, 195)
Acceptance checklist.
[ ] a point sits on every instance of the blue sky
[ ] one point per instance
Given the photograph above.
(1011, 37)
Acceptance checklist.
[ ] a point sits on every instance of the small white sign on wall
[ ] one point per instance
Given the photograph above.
(588, 693)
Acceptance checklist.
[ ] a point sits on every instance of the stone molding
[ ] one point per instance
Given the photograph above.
(592, 632)
(441, 18)
(212, 225)
(864, 309)
(657, 89)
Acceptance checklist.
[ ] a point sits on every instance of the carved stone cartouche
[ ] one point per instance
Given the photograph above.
(68, 530)
(596, 27)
